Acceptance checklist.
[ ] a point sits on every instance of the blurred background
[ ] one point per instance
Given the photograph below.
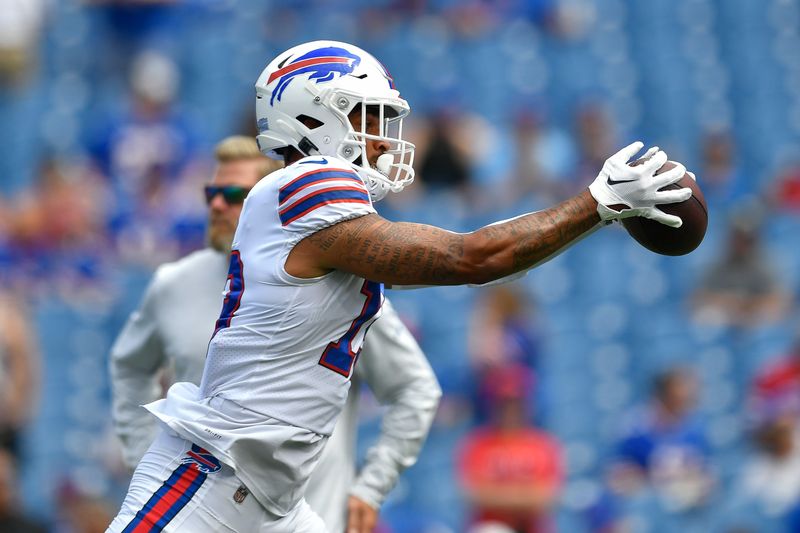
(648, 393)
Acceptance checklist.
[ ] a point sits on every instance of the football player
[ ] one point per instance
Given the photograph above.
(171, 328)
(305, 281)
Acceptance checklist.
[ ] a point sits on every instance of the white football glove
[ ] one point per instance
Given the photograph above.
(634, 190)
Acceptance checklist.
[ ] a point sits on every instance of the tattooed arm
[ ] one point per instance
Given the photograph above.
(402, 253)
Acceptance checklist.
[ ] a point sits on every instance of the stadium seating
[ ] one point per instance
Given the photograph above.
(614, 313)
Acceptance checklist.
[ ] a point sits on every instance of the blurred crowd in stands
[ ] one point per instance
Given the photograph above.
(123, 194)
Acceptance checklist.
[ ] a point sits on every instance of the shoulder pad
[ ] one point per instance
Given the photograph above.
(316, 181)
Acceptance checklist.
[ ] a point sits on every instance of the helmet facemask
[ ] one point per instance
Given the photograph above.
(393, 169)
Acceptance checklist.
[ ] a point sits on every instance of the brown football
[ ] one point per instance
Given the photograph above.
(665, 240)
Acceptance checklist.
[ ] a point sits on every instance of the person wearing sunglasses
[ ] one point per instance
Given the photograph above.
(176, 319)
(225, 201)
(232, 194)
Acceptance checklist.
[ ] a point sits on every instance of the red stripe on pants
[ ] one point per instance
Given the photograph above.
(167, 500)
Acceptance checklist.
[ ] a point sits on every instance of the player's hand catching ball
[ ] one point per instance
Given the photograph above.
(623, 191)
(361, 516)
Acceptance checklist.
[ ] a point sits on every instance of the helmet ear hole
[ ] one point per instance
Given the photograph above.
(309, 122)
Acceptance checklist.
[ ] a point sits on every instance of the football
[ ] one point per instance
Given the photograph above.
(665, 240)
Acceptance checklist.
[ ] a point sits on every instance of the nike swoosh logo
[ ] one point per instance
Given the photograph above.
(320, 161)
(617, 182)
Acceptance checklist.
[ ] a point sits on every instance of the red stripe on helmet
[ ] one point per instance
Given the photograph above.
(305, 63)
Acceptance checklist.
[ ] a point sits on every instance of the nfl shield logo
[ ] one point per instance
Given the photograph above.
(240, 494)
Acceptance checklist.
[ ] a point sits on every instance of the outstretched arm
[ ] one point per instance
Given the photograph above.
(415, 254)
(403, 253)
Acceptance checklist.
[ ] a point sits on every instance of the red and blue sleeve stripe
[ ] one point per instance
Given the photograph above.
(333, 195)
(314, 177)
(168, 500)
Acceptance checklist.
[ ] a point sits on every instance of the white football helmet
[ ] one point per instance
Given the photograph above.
(325, 81)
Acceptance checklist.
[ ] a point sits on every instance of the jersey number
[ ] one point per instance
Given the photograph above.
(339, 356)
(234, 289)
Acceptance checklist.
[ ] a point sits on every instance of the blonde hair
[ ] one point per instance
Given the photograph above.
(240, 147)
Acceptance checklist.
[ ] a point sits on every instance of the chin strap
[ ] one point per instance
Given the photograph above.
(378, 182)
(306, 146)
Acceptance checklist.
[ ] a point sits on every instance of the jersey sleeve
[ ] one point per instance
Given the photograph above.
(315, 196)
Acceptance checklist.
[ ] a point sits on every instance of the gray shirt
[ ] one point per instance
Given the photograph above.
(172, 328)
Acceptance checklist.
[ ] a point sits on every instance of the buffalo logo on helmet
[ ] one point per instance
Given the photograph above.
(323, 63)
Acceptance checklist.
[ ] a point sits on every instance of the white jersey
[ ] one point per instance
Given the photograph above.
(294, 353)
(284, 346)
(171, 328)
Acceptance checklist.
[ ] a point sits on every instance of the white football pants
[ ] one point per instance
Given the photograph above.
(181, 487)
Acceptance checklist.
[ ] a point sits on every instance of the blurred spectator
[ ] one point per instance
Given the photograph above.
(12, 519)
(664, 449)
(503, 329)
(784, 192)
(545, 159)
(510, 472)
(741, 288)
(777, 387)
(723, 182)
(484, 150)
(19, 366)
(21, 22)
(531, 162)
(443, 163)
(573, 20)
(150, 155)
(595, 135)
(56, 229)
(771, 478)
(81, 513)
(151, 143)
(66, 209)
(503, 332)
